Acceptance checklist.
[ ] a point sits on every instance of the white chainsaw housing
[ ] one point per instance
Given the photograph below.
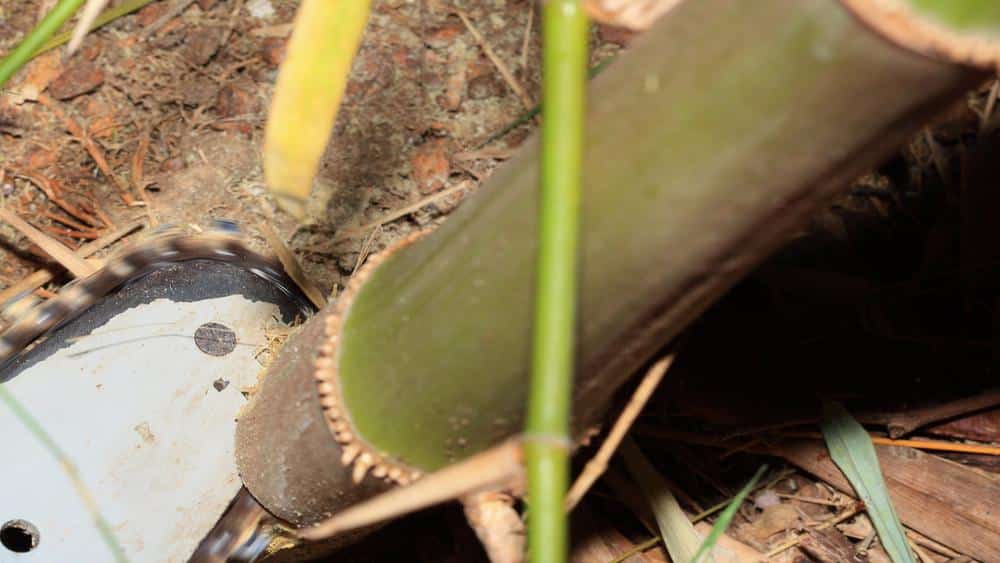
(146, 418)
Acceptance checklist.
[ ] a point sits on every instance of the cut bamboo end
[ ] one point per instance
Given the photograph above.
(922, 32)
(360, 457)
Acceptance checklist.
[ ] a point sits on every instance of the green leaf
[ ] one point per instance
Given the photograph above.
(679, 535)
(852, 450)
(726, 517)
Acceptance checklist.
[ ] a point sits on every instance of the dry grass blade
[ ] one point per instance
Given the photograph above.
(91, 10)
(76, 265)
(596, 466)
(502, 67)
(852, 450)
(41, 277)
(292, 266)
(679, 535)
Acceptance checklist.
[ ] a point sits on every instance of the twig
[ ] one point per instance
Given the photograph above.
(921, 554)
(848, 513)
(346, 234)
(531, 113)
(95, 209)
(811, 500)
(932, 545)
(42, 277)
(138, 164)
(505, 72)
(56, 231)
(935, 445)
(84, 229)
(365, 249)
(527, 37)
(76, 265)
(902, 423)
(233, 19)
(599, 463)
(991, 100)
(88, 15)
(52, 192)
(95, 152)
(637, 549)
(292, 266)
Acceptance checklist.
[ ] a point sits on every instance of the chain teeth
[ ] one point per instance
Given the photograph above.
(164, 244)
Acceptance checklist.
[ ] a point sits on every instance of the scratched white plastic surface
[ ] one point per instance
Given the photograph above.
(134, 407)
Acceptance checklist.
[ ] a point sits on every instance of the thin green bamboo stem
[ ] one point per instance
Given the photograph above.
(45, 28)
(547, 429)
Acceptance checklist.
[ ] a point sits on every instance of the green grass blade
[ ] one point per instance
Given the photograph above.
(726, 517)
(852, 450)
(27, 48)
(679, 535)
(33, 426)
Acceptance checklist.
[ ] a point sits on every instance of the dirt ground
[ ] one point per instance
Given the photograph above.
(177, 116)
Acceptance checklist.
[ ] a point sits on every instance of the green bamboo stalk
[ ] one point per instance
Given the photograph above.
(709, 142)
(27, 48)
(547, 430)
(689, 143)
